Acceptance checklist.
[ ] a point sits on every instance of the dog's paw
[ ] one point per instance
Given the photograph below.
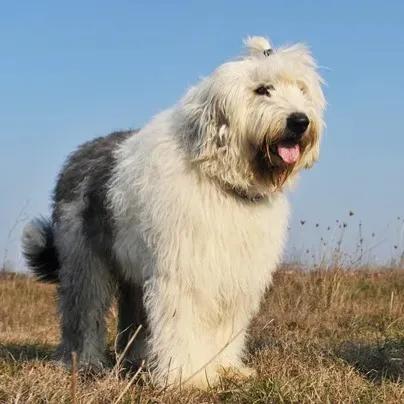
(246, 371)
(241, 372)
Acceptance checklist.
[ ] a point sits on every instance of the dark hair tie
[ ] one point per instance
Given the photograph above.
(268, 51)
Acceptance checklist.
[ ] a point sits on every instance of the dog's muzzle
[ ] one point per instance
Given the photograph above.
(289, 148)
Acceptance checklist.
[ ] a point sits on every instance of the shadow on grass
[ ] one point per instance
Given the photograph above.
(376, 361)
(26, 352)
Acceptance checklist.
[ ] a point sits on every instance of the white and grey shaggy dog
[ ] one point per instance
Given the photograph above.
(184, 220)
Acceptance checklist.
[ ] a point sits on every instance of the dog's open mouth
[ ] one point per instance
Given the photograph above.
(287, 151)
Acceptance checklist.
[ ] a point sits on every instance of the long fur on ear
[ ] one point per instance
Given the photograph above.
(209, 138)
(204, 120)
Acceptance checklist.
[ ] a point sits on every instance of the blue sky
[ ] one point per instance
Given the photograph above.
(70, 71)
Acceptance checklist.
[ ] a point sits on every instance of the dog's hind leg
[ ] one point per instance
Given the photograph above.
(85, 293)
(131, 320)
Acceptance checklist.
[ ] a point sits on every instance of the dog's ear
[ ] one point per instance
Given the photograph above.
(258, 46)
(207, 126)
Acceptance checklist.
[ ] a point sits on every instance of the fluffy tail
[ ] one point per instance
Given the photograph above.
(39, 250)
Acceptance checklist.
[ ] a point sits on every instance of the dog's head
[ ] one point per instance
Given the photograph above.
(256, 121)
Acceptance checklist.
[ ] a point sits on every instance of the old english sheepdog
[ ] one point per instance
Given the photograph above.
(183, 220)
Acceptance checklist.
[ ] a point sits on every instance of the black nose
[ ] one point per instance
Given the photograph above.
(297, 122)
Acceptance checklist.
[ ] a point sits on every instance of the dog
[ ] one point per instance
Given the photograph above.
(184, 220)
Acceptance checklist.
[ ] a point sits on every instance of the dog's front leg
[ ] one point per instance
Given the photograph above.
(188, 345)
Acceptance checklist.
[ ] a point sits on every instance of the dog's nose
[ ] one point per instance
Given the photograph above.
(297, 122)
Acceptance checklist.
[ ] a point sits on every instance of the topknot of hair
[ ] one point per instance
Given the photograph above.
(258, 45)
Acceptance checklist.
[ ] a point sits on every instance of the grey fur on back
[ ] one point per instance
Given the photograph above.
(85, 177)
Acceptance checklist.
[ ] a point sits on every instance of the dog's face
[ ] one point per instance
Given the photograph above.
(258, 120)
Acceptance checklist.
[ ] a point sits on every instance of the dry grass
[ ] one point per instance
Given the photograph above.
(320, 337)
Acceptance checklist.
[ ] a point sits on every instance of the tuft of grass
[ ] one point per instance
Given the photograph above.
(321, 336)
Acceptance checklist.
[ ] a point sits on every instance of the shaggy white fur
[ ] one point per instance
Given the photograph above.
(185, 219)
(183, 194)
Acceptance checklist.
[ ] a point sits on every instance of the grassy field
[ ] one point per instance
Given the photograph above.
(335, 336)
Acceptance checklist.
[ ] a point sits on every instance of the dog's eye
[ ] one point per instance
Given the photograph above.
(264, 90)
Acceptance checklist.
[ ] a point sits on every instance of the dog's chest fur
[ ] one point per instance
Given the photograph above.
(178, 227)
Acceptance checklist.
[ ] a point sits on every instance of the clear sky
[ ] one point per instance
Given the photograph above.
(70, 71)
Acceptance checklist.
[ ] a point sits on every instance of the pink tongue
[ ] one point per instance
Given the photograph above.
(289, 154)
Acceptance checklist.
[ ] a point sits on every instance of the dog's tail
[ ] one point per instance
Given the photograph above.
(39, 250)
